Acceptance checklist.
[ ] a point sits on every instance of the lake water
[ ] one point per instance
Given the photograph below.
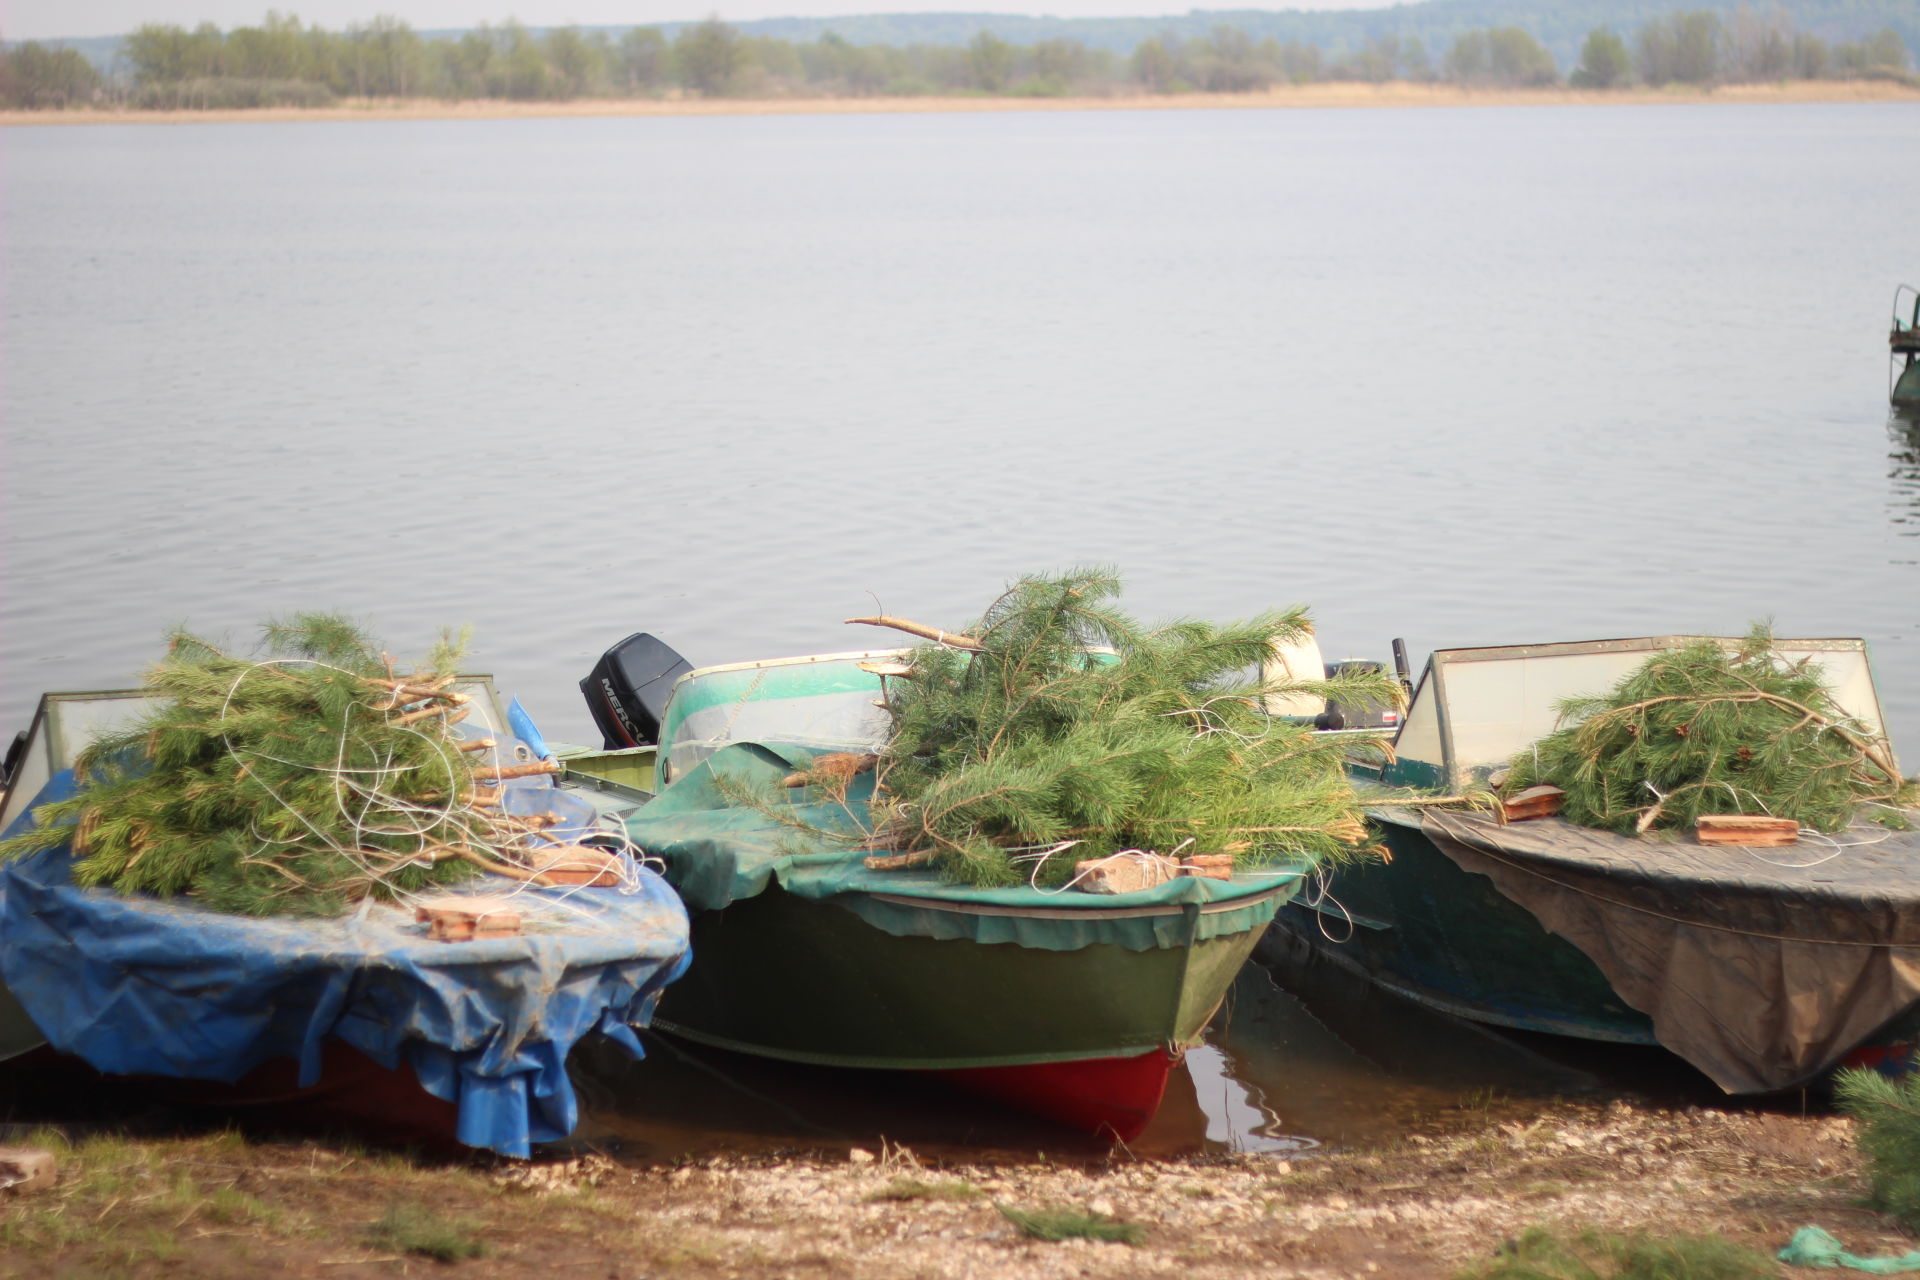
(1463, 376)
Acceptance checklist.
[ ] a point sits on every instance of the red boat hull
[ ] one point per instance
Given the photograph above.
(1109, 1097)
(353, 1092)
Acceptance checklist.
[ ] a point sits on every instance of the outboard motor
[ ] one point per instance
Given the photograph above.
(1340, 716)
(627, 690)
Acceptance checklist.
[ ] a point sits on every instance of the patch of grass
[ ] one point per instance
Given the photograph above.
(227, 1141)
(1540, 1254)
(1548, 1190)
(229, 1207)
(905, 1188)
(671, 1250)
(156, 1244)
(1072, 1224)
(45, 1137)
(411, 1228)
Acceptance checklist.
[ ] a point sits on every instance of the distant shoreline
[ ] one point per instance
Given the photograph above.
(1335, 95)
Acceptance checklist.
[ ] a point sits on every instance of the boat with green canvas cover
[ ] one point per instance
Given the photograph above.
(1762, 967)
(1068, 1004)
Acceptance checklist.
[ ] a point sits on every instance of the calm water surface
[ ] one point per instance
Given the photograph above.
(1463, 376)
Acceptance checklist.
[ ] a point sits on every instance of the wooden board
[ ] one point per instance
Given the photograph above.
(1747, 829)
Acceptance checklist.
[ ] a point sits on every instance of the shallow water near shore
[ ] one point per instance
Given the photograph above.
(1301, 1059)
(1467, 377)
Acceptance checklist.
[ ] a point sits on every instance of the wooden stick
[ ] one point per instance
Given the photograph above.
(837, 766)
(485, 863)
(528, 821)
(424, 713)
(419, 688)
(499, 772)
(921, 629)
(476, 744)
(898, 861)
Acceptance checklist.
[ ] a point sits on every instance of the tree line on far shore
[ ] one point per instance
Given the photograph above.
(283, 63)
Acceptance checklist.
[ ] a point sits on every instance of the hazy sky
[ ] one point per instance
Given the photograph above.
(51, 19)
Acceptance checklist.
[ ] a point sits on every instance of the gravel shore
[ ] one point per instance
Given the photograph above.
(1421, 1207)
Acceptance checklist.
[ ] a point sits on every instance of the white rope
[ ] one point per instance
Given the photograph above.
(368, 808)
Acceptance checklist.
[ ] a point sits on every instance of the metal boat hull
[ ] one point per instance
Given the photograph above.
(1424, 928)
(1083, 1036)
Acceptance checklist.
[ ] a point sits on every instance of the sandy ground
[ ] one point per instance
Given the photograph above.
(1317, 95)
(224, 1206)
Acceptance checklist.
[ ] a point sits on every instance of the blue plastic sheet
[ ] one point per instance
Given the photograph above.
(138, 985)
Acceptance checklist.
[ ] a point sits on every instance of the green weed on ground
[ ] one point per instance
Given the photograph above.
(1541, 1254)
(904, 1188)
(1072, 1224)
(412, 1228)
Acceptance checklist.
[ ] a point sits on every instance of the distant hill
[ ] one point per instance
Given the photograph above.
(1561, 25)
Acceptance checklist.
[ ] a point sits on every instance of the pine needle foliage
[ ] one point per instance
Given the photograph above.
(293, 784)
(1711, 729)
(1073, 722)
(1888, 1111)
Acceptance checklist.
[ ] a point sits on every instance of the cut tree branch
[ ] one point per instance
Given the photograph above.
(949, 638)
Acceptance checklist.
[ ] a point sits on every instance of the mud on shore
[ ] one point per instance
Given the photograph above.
(224, 1206)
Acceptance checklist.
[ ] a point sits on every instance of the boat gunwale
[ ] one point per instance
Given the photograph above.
(1639, 644)
(1088, 912)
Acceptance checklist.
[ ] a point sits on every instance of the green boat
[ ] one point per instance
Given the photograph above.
(1763, 968)
(1904, 343)
(1070, 1005)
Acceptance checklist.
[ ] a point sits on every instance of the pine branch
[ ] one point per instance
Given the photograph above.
(294, 783)
(1706, 730)
(1032, 739)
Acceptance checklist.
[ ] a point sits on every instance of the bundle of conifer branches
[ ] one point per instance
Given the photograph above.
(293, 784)
(1887, 1110)
(1057, 718)
(1711, 729)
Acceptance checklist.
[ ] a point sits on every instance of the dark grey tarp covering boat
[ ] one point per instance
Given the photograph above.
(1761, 967)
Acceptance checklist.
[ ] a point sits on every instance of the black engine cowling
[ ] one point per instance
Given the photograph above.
(627, 689)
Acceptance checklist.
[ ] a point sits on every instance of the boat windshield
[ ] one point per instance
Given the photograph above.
(831, 702)
(1476, 708)
(67, 723)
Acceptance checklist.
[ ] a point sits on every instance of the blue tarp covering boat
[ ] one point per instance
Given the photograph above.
(137, 985)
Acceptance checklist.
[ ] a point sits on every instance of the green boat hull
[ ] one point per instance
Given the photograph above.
(809, 981)
(633, 767)
(18, 1034)
(1423, 928)
(1906, 391)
